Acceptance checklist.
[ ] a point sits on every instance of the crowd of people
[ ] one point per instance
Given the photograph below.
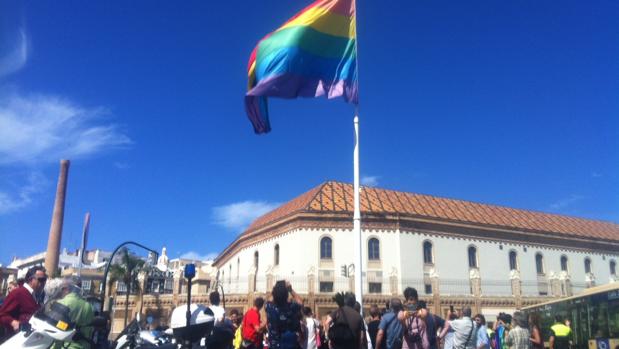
(402, 324)
(288, 324)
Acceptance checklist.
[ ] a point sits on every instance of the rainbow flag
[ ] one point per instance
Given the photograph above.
(313, 54)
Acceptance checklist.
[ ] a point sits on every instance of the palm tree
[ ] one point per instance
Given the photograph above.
(127, 272)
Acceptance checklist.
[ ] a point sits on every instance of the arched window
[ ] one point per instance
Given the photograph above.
(513, 262)
(256, 260)
(373, 249)
(276, 252)
(472, 257)
(587, 265)
(428, 258)
(613, 268)
(325, 248)
(564, 263)
(539, 263)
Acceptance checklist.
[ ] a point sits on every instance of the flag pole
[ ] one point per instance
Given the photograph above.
(357, 203)
(357, 218)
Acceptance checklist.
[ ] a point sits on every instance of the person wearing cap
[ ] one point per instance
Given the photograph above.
(22, 302)
(81, 313)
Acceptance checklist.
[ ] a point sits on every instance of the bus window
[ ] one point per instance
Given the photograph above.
(613, 318)
(598, 318)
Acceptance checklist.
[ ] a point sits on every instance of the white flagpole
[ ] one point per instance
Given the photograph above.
(357, 219)
(357, 213)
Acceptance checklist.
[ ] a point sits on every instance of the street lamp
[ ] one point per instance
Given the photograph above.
(154, 253)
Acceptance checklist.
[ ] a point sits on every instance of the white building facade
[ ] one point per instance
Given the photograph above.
(492, 257)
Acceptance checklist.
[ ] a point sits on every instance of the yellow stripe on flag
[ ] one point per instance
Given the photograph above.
(324, 21)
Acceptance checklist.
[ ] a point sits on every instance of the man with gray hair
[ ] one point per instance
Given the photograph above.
(465, 336)
(518, 337)
(81, 313)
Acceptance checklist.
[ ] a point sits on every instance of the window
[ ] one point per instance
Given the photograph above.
(428, 288)
(325, 248)
(472, 257)
(238, 266)
(588, 265)
(276, 252)
(373, 249)
(539, 263)
(256, 261)
(513, 262)
(564, 263)
(613, 268)
(86, 285)
(428, 258)
(230, 274)
(375, 287)
(326, 286)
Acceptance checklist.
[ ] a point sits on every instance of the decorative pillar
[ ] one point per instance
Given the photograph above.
(393, 282)
(566, 285)
(311, 289)
(590, 280)
(514, 276)
(270, 278)
(436, 294)
(555, 284)
(475, 280)
(55, 231)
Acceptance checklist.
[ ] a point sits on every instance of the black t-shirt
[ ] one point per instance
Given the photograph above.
(349, 316)
(373, 330)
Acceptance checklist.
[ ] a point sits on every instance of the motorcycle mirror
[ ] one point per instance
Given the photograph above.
(149, 319)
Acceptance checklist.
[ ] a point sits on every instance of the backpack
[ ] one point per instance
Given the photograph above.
(340, 334)
(286, 329)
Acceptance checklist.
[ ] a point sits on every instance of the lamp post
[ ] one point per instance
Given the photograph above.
(109, 263)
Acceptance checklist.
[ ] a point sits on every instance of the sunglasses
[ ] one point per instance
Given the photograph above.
(42, 279)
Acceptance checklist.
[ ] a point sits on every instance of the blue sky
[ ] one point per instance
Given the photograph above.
(501, 102)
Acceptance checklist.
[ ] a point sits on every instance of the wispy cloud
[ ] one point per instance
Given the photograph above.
(596, 174)
(16, 58)
(199, 257)
(35, 129)
(369, 181)
(565, 202)
(240, 214)
(9, 203)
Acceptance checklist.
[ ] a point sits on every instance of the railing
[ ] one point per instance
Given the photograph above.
(496, 287)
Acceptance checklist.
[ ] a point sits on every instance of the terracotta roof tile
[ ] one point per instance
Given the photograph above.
(337, 197)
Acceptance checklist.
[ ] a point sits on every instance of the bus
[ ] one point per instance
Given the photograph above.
(593, 316)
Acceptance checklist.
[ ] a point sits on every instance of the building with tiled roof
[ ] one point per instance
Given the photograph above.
(492, 257)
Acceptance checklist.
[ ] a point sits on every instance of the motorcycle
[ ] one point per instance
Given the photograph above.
(194, 336)
(47, 326)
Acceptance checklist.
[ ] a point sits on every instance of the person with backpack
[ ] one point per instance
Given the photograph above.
(465, 336)
(413, 319)
(346, 328)
(312, 329)
(389, 334)
(284, 318)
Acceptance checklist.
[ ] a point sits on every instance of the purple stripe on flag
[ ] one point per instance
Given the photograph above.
(292, 86)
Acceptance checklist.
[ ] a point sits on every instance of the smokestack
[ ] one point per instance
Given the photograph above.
(55, 231)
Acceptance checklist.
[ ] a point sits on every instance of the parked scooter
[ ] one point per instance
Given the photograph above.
(45, 327)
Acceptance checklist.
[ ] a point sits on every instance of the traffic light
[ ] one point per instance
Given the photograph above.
(344, 271)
